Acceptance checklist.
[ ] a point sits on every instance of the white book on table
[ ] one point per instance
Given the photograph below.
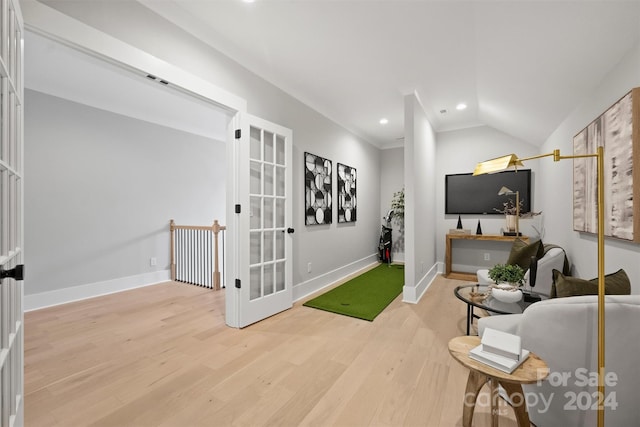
(501, 343)
(504, 364)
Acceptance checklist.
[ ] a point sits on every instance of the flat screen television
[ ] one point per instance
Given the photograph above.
(468, 194)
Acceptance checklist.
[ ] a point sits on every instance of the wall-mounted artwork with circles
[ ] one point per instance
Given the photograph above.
(346, 193)
(317, 190)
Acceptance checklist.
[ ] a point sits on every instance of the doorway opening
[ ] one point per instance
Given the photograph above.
(114, 155)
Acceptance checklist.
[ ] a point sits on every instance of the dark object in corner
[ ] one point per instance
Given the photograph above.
(531, 297)
(533, 273)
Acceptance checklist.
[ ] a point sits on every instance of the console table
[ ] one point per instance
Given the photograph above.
(448, 253)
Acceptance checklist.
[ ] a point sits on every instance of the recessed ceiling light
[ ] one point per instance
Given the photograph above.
(384, 121)
(461, 106)
(248, 1)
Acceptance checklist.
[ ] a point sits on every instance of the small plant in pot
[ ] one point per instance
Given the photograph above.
(508, 279)
(507, 273)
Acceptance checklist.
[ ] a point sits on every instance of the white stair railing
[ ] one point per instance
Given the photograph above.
(195, 254)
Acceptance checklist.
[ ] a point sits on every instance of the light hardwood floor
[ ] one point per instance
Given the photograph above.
(162, 356)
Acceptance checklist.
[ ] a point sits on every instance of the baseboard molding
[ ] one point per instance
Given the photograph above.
(308, 287)
(91, 290)
(300, 291)
(412, 294)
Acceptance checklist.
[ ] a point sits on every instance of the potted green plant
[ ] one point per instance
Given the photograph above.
(507, 273)
(508, 280)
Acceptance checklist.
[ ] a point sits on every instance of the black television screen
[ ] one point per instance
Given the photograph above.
(468, 194)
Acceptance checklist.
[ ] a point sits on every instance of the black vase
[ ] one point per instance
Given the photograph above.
(479, 229)
(459, 227)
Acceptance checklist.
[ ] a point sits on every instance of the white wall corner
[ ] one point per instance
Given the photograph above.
(398, 257)
(413, 294)
(91, 290)
(308, 287)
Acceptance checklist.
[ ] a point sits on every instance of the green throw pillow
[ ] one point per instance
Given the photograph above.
(565, 286)
(521, 253)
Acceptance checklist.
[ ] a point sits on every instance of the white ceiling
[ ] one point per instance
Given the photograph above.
(58, 70)
(521, 66)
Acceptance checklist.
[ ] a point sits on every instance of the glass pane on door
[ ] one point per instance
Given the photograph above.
(280, 276)
(255, 289)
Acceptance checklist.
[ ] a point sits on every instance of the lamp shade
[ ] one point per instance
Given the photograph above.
(497, 165)
(505, 191)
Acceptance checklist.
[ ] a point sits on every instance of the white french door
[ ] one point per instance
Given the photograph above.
(261, 206)
(11, 215)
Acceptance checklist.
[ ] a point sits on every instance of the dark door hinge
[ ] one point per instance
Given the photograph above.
(238, 209)
(238, 283)
(238, 133)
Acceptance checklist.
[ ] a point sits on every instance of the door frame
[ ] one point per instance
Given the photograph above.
(48, 22)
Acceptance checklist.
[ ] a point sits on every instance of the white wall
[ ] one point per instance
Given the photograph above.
(332, 247)
(558, 178)
(420, 209)
(458, 152)
(101, 190)
(392, 181)
(333, 250)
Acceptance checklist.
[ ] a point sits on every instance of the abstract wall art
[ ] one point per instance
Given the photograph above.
(317, 190)
(617, 130)
(347, 205)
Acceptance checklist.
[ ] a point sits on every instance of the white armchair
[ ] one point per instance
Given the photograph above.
(563, 332)
(553, 259)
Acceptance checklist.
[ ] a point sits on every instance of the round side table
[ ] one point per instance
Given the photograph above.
(531, 371)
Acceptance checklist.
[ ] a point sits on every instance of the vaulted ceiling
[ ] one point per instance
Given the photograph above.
(520, 66)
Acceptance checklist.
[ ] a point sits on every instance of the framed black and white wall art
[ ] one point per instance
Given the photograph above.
(615, 130)
(317, 190)
(346, 193)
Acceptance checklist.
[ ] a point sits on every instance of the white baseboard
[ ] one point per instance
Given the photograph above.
(412, 294)
(76, 293)
(308, 287)
(300, 291)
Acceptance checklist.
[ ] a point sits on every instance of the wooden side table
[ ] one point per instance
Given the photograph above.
(531, 371)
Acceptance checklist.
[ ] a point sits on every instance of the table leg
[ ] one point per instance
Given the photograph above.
(469, 317)
(474, 383)
(495, 411)
(447, 257)
(514, 391)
